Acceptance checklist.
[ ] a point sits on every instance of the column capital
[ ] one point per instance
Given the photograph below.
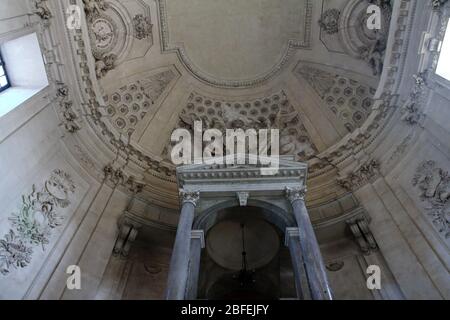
(296, 193)
(289, 233)
(200, 235)
(189, 197)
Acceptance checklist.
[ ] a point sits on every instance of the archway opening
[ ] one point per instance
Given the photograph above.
(245, 258)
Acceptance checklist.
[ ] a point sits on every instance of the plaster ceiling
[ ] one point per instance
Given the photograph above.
(233, 40)
(294, 65)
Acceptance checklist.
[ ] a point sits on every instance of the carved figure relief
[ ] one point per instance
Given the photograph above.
(273, 112)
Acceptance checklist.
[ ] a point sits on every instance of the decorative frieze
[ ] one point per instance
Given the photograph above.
(33, 225)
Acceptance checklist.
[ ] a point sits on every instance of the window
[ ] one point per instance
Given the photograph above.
(4, 81)
(22, 71)
(443, 67)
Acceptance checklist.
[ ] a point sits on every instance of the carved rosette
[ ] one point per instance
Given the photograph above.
(294, 194)
(190, 197)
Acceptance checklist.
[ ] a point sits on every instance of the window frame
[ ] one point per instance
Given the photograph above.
(3, 64)
(444, 35)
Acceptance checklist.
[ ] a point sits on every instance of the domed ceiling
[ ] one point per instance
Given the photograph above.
(300, 66)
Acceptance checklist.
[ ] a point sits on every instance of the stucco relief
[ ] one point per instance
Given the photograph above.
(344, 29)
(433, 183)
(364, 174)
(42, 9)
(273, 112)
(32, 226)
(111, 26)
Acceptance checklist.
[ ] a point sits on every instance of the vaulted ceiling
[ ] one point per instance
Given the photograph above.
(309, 68)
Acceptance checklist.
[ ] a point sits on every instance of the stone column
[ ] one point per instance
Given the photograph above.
(315, 268)
(197, 244)
(179, 263)
(292, 241)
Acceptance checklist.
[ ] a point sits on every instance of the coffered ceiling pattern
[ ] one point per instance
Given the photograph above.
(130, 103)
(346, 97)
(272, 112)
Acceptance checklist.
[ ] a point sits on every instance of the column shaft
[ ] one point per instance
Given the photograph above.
(301, 281)
(194, 268)
(315, 267)
(179, 263)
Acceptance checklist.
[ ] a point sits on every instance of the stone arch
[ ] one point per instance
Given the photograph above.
(270, 212)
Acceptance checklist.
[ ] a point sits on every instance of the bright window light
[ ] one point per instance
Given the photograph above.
(4, 81)
(443, 67)
(22, 72)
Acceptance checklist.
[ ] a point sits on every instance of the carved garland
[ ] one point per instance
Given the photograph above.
(434, 185)
(34, 223)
